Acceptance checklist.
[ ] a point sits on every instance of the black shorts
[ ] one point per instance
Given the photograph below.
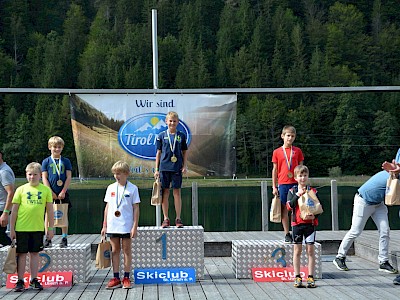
(166, 177)
(119, 235)
(66, 200)
(306, 231)
(29, 241)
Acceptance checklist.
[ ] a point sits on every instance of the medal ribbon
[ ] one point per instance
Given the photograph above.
(169, 141)
(122, 197)
(58, 168)
(288, 161)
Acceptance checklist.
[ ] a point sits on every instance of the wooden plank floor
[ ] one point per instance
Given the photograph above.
(363, 281)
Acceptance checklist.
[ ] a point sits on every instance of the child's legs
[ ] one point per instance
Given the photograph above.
(283, 191)
(127, 249)
(177, 202)
(311, 258)
(115, 251)
(34, 264)
(285, 218)
(297, 249)
(21, 265)
(176, 185)
(165, 203)
(165, 179)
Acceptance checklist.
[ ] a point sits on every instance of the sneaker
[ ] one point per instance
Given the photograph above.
(113, 284)
(178, 223)
(19, 286)
(165, 223)
(387, 267)
(47, 243)
(310, 282)
(288, 238)
(340, 263)
(64, 243)
(396, 280)
(126, 283)
(298, 282)
(35, 284)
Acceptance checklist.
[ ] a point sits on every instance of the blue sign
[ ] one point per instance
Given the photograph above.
(172, 275)
(138, 135)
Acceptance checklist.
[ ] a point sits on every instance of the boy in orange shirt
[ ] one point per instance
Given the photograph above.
(285, 159)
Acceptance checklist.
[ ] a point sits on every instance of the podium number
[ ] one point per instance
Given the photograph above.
(281, 258)
(163, 239)
(47, 263)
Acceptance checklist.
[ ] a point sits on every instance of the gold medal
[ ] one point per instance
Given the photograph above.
(60, 182)
(290, 174)
(174, 159)
(117, 213)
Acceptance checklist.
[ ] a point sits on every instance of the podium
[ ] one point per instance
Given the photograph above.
(247, 254)
(157, 247)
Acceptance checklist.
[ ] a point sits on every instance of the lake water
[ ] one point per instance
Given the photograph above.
(220, 209)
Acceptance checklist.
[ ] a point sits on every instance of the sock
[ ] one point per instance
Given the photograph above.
(64, 235)
(126, 274)
(116, 275)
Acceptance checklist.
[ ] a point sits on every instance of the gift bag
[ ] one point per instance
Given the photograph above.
(275, 211)
(103, 254)
(10, 264)
(156, 195)
(392, 195)
(60, 215)
(309, 204)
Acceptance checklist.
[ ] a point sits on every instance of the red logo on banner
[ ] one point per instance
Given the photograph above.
(277, 274)
(112, 194)
(47, 279)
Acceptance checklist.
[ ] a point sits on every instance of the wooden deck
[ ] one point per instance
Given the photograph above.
(363, 281)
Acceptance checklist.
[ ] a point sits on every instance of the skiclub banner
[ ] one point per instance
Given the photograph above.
(108, 128)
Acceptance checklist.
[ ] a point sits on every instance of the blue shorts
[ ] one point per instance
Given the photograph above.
(283, 191)
(167, 177)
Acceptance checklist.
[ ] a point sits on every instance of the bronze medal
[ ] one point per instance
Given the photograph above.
(290, 174)
(60, 182)
(174, 159)
(117, 213)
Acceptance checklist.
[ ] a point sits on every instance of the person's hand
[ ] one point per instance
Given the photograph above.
(50, 234)
(61, 195)
(55, 197)
(275, 191)
(4, 219)
(184, 170)
(104, 231)
(133, 233)
(156, 174)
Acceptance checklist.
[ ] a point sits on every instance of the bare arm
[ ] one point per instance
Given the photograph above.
(184, 161)
(157, 171)
(104, 228)
(275, 179)
(67, 182)
(50, 219)
(10, 194)
(135, 220)
(13, 220)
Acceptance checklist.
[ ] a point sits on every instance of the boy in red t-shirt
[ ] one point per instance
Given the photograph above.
(302, 228)
(285, 159)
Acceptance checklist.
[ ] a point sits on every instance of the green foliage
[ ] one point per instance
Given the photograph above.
(206, 44)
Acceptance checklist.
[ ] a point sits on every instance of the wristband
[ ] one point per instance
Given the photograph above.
(156, 169)
(105, 223)
(64, 191)
(50, 228)
(6, 211)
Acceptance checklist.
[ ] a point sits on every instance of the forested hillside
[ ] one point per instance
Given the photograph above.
(212, 44)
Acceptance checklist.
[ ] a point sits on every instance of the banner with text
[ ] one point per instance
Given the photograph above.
(112, 127)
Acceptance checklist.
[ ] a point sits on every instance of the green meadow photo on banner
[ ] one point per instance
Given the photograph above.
(112, 127)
